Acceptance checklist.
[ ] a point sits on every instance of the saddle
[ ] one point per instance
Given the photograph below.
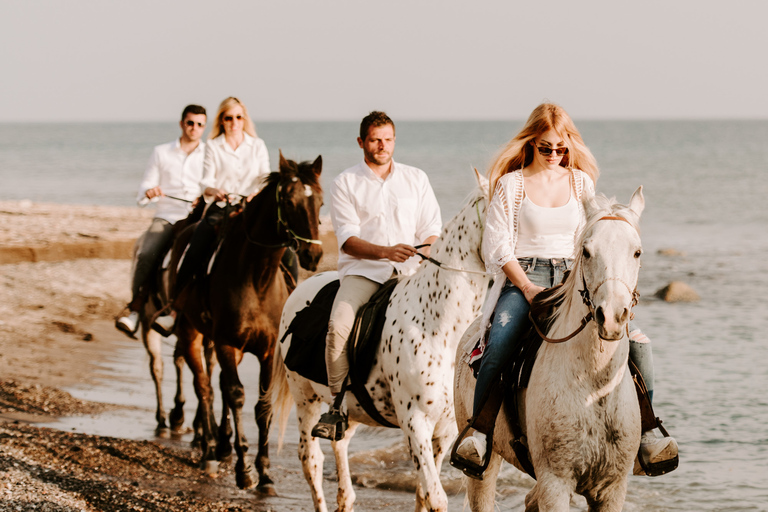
(309, 329)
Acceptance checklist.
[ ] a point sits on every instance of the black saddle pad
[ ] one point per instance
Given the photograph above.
(306, 355)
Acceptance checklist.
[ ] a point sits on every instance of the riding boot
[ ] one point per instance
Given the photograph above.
(657, 455)
(470, 452)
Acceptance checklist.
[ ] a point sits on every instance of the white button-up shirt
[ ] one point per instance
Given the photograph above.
(401, 209)
(236, 171)
(178, 174)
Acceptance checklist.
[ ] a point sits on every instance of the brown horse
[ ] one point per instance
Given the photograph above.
(238, 306)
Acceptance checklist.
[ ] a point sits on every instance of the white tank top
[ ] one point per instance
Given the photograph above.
(547, 232)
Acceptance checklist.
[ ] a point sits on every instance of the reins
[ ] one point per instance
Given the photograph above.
(585, 297)
(453, 269)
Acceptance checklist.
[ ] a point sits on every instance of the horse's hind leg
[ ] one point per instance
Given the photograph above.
(153, 345)
(234, 395)
(481, 494)
(345, 497)
(177, 413)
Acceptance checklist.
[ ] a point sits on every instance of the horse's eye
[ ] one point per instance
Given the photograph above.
(585, 252)
(638, 253)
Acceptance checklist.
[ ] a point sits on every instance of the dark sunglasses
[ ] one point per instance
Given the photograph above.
(229, 119)
(545, 151)
(192, 123)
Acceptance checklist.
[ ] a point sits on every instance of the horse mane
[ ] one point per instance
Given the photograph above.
(554, 304)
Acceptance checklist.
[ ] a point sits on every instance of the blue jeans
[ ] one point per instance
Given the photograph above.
(510, 320)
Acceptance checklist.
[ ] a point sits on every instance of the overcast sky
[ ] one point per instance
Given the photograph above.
(138, 60)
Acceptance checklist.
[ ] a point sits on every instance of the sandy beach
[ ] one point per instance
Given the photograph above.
(64, 274)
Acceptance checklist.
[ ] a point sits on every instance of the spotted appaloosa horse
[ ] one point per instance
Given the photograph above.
(238, 307)
(412, 376)
(580, 411)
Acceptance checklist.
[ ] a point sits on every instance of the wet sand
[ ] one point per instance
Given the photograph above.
(76, 399)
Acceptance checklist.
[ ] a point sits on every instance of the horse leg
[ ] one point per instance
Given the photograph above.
(153, 344)
(310, 454)
(224, 446)
(550, 494)
(233, 394)
(608, 499)
(191, 346)
(419, 431)
(263, 413)
(481, 494)
(177, 413)
(345, 497)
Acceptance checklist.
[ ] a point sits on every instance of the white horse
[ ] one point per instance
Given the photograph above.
(580, 412)
(411, 380)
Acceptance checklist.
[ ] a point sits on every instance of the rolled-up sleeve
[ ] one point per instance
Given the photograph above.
(151, 177)
(209, 167)
(430, 222)
(346, 222)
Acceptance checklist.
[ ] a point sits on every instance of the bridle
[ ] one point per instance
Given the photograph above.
(283, 225)
(585, 297)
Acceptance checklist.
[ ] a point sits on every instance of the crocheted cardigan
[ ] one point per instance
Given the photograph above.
(500, 237)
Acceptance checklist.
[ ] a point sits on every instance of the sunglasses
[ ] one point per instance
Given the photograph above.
(229, 119)
(192, 123)
(545, 151)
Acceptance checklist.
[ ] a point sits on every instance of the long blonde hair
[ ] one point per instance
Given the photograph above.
(218, 126)
(518, 152)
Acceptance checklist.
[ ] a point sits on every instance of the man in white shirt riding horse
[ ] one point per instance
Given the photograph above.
(172, 176)
(380, 211)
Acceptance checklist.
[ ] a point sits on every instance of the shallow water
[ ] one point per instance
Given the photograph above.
(705, 190)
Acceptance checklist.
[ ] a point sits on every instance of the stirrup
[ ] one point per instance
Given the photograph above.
(468, 467)
(647, 468)
(332, 425)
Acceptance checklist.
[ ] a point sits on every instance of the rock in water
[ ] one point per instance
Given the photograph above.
(677, 291)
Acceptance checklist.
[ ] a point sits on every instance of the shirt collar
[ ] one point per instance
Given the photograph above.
(367, 170)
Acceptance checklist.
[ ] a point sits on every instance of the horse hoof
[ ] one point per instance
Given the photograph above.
(244, 480)
(267, 490)
(211, 467)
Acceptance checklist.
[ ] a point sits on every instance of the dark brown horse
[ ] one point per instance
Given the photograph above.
(238, 306)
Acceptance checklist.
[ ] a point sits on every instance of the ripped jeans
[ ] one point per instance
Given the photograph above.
(510, 320)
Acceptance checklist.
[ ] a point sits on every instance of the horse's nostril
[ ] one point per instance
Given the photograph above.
(599, 315)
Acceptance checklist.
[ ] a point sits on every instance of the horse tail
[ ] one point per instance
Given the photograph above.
(282, 399)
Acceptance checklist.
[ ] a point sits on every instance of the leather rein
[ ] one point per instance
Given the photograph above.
(585, 297)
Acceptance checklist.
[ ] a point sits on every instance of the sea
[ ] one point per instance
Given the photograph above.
(705, 191)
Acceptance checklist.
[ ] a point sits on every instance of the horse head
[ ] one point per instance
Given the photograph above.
(300, 196)
(610, 261)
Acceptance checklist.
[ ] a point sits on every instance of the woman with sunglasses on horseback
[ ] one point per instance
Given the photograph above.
(236, 162)
(534, 218)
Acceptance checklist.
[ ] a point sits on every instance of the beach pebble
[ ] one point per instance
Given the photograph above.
(677, 291)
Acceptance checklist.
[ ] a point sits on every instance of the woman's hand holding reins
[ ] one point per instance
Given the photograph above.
(531, 290)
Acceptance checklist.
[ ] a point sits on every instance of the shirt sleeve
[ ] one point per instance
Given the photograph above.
(588, 184)
(430, 222)
(346, 222)
(151, 177)
(498, 238)
(209, 168)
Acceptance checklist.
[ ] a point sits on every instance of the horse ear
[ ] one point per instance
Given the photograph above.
(482, 181)
(283, 162)
(317, 165)
(637, 203)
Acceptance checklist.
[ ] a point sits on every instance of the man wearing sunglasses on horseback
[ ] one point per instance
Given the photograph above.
(172, 178)
(379, 208)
